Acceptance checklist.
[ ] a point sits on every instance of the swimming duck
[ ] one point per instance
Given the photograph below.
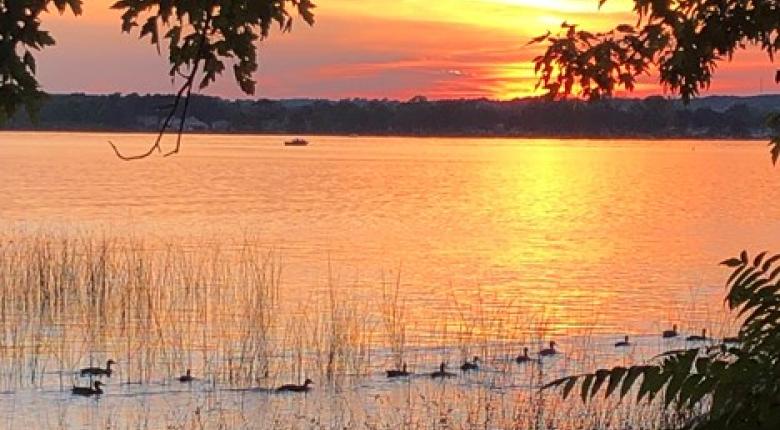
(523, 358)
(697, 338)
(549, 351)
(731, 339)
(666, 334)
(473, 365)
(186, 377)
(441, 373)
(395, 373)
(623, 343)
(88, 391)
(296, 388)
(98, 371)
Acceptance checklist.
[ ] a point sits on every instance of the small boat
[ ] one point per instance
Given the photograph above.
(187, 377)
(296, 142)
(88, 391)
(670, 333)
(441, 373)
(294, 388)
(549, 351)
(98, 371)
(623, 343)
(523, 358)
(395, 373)
(470, 365)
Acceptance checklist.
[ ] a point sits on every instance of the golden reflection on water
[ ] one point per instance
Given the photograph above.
(587, 235)
(500, 243)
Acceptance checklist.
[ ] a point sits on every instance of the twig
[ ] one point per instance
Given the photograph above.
(187, 86)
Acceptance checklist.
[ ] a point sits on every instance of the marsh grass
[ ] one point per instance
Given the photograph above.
(69, 301)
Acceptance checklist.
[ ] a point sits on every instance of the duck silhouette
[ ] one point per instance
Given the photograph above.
(187, 377)
(473, 365)
(296, 388)
(666, 334)
(441, 373)
(546, 352)
(623, 343)
(523, 358)
(697, 338)
(395, 373)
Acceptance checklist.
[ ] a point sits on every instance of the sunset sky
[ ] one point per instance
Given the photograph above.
(366, 48)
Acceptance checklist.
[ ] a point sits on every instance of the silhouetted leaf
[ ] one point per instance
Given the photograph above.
(569, 386)
(732, 262)
(614, 379)
(585, 387)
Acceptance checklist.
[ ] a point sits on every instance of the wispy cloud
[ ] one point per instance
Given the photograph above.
(365, 48)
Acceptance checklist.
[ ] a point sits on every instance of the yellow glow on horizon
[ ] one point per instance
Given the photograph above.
(442, 49)
(567, 6)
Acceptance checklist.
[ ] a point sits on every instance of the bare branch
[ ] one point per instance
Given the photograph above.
(186, 87)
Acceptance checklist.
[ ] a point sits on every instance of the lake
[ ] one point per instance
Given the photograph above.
(427, 248)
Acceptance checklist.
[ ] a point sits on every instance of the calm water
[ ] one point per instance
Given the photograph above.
(614, 235)
(499, 243)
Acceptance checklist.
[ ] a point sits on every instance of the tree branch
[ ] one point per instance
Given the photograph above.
(185, 88)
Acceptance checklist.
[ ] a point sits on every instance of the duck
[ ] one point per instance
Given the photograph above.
(623, 343)
(296, 388)
(523, 358)
(441, 373)
(473, 365)
(549, 351)
(697, 338)
(187, 377)
(666, 334)
(98, 371)
(731, 339)
(395, 373)
(88, 391)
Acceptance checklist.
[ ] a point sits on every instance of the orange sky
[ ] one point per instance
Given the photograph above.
(366, 48)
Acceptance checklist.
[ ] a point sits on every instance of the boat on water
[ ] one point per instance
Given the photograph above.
(296, 142)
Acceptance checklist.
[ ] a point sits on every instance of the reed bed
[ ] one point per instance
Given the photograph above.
(68, 301)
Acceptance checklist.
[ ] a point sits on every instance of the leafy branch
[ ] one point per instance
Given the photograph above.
(682, 40)
(202, 36)
(21, 33)
(739, 384)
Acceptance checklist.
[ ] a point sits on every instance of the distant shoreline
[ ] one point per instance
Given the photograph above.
(710, 118)
(375, 136)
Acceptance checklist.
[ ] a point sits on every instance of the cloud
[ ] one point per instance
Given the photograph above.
(362, 48)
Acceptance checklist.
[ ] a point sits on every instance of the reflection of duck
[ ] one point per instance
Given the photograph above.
(623, 343)
(186, 377)
(523, 358)
(473, 365)
(395, 373)
(549, 351)
(441, 373)
(697, 338)
(670, 333)
(297, 388)
(88, 391)
(98, 371)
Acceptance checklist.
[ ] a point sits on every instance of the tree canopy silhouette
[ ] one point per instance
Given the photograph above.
(682, 40)
(201, 36)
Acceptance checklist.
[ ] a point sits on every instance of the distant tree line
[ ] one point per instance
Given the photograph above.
(714, 117)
